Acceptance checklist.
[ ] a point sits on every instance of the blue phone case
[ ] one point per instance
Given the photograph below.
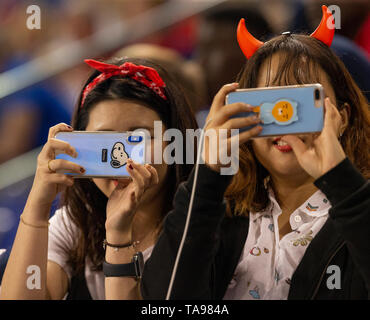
(284, 110)
(104, 154)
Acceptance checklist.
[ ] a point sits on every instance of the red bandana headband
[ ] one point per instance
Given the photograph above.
(149, 77)
(249, 44)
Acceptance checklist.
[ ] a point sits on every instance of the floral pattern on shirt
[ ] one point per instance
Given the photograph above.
(267, 263)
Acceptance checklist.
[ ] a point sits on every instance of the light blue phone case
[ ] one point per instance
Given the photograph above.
(104, 154)
(284, 110)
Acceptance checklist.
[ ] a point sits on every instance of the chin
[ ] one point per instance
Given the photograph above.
(284, 163)
(291, 171)
(277, 157)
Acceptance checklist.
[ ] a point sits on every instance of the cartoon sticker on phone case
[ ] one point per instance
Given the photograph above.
(118, 155)
(281, 112)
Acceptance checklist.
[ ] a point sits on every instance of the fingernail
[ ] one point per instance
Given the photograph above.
(69, 127)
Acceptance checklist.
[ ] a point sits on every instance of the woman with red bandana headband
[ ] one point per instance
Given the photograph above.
(293, 223)
(67, 253)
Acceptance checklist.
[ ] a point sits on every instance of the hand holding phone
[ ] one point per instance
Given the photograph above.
(283, 110)
(326, 152)
(219, 121)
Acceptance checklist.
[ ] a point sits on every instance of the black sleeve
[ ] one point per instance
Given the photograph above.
(193, 279)
(349, 193)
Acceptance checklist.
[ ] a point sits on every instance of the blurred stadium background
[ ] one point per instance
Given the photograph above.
(42, 71)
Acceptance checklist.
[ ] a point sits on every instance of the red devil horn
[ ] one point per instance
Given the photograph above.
(247, 42)
(324, 32)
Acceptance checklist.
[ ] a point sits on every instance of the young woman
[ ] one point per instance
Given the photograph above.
(295, 224)
(125, 214)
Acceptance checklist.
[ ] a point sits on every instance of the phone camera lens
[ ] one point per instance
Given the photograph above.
(317, 94)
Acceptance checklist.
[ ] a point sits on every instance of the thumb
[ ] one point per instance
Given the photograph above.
(331, 117)
(297, 144)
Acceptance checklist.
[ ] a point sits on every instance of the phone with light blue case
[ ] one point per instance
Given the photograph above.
(104, 154)
(296, 109)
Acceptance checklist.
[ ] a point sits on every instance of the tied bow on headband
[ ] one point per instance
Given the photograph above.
(145, 75)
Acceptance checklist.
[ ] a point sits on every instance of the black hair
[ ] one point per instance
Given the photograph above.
(84, 202)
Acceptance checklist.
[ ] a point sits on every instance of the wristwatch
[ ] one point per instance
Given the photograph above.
(133, 269)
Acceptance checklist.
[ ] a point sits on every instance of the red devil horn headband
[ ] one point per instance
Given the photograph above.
(325, 32)
(249, 44)
(147, 76)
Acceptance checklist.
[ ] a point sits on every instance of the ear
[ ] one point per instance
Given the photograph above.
(345, 113)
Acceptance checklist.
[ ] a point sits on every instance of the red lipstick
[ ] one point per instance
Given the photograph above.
(281, 145)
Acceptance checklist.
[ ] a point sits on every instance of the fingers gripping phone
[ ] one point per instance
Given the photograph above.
(104, 154)
(283, 110)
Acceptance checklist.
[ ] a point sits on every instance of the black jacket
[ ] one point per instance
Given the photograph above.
(215, 242)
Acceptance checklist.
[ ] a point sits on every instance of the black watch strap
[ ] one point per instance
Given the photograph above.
(119, 270)
(132, 269)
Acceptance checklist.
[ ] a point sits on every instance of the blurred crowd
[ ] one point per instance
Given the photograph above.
(201, 51)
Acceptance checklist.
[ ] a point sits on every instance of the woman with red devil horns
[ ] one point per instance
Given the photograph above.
(293, 222)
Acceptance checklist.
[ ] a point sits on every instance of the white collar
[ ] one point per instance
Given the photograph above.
(315, 206)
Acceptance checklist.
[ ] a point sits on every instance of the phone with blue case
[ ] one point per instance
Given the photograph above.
(283, 110)
(104, 154)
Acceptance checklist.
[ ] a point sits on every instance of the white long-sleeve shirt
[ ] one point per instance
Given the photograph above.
(267, 263)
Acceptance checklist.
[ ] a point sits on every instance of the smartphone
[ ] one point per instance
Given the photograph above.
(283, 110)
(104, 154)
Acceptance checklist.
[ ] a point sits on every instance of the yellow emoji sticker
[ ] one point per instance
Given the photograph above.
(282, 112)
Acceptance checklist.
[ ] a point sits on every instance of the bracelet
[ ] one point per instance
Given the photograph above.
(33, 225)
(120, 246)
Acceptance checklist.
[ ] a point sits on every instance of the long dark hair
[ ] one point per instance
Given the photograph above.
(300, 60)
(85, 204)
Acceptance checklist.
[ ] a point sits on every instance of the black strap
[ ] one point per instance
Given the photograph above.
(126, 245)
(119, 270)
